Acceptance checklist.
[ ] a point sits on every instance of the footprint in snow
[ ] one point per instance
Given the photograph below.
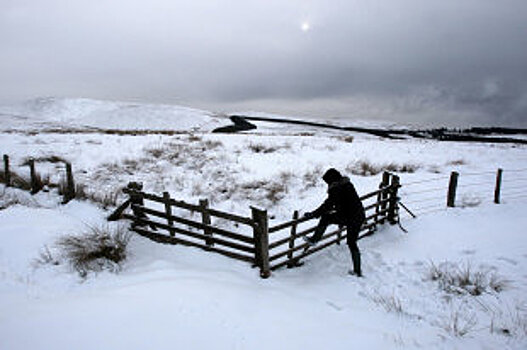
(508, 260)
(334, 306)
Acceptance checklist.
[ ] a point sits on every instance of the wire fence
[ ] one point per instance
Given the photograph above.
(437, 193)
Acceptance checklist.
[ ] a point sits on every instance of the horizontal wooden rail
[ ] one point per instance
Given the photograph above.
(192, 207)
(286, 239)
(374, 193)
(376, 204)
(176, 240)
(306, 232)
(311, 250)
(379, 213)
(304, 245)
(194, 224)
(288, 224)
(196, 235)
(231, 217)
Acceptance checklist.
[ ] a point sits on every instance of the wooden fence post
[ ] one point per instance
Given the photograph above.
(205, 219)
(291, 263)
(382, 196)
(35, 182)
(261, 241)
(497, 189)
(7, 173)
(392, 202)
(69, 193)
(452, 186)
(168, 211)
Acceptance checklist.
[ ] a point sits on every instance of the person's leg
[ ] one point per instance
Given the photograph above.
(353, 234)
(325, 221)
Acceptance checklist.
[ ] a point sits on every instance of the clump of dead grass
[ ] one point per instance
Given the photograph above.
(95, 250)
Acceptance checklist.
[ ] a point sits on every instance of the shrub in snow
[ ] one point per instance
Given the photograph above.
(457, 279)
(365, 168)
(45, 258)
(95, 250)
(348, 139)
(104, 199)
(400, 168)
(17, 181)
(390, 303)
(46, 159)
(13, 196)
(273, 191)
(510, 322)
(459, 324)
(312, 178)
(457, 162)
(260, 148)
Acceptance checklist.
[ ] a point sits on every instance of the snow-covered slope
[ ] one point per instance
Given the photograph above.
(75, 113)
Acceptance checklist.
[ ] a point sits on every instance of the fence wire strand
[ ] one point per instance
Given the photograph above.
(511, 198)
(507, 194)
(436, 178)
(423, 191)
(430, 211)
(515, 179)
(421, 200)
(506, 188)
(478, 174)
(461, 184)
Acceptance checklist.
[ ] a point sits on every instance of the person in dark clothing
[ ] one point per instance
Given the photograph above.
(344, 208)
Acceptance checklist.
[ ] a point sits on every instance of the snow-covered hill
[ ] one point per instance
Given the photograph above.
(87, 113)
(170, 297)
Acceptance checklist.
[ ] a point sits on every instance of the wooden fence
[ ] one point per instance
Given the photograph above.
(36, 183)
(267, 248)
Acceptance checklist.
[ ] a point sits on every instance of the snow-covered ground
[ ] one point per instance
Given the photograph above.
(169, 297)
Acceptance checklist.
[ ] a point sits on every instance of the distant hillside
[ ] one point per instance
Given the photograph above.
(57, 112)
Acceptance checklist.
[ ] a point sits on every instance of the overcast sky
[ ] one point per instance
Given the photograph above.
(441, 61)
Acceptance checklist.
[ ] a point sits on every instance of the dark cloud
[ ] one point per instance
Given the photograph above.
(445, 61)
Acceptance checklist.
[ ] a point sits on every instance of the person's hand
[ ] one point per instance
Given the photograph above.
(309, 215)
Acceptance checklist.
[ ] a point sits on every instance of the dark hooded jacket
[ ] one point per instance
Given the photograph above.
(342, 200)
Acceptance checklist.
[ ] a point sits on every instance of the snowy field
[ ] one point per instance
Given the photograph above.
(168, 297)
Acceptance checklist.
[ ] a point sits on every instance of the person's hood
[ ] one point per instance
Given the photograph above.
(340, 182)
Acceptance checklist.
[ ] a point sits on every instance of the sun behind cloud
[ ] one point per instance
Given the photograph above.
(305, 26)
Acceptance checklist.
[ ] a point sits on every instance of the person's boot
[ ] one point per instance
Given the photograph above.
(310, 241)
(355, 257)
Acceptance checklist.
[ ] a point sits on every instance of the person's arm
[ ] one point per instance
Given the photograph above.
(322, 209)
